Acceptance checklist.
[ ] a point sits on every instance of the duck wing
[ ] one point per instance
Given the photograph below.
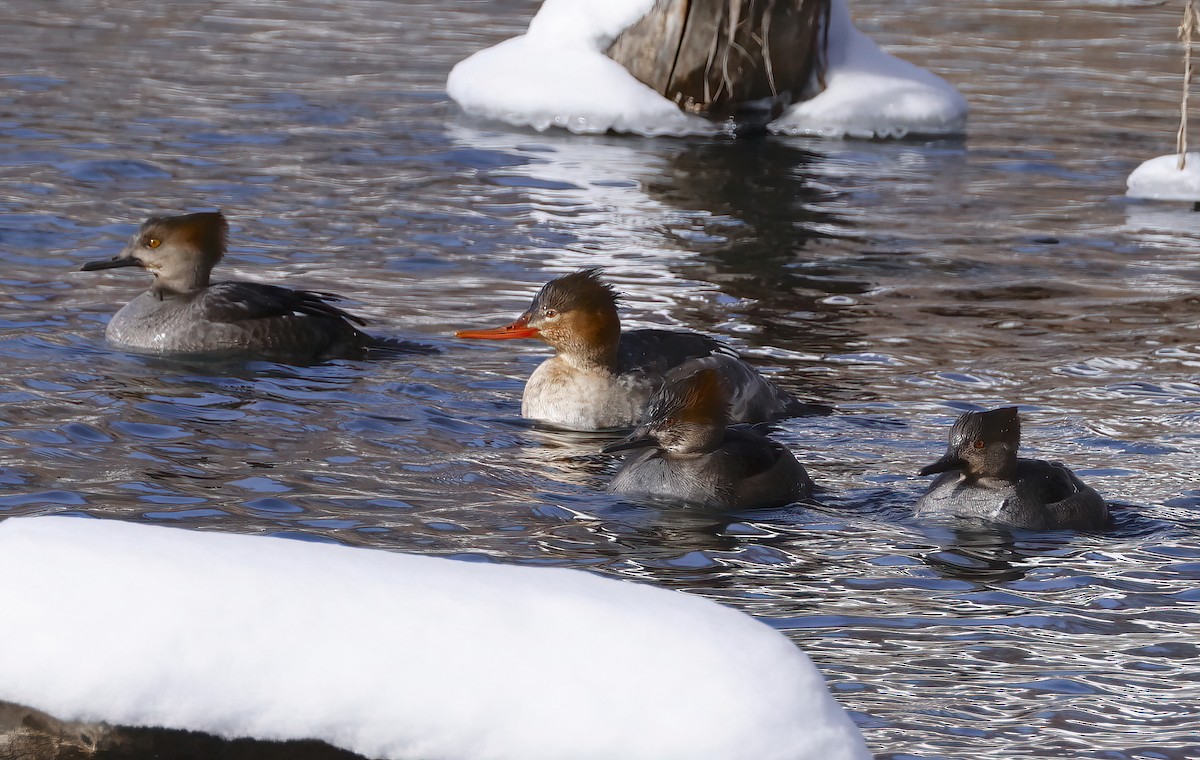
(238, 301)
(752, 397)
(764, 472)
(668, 356)
(1069, 502)
(1083, 509)
(749, 451)
(657, 351)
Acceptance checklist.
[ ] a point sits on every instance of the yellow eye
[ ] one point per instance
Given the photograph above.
(153, 243)
(979, 444)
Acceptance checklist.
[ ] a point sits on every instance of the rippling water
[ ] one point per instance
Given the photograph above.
(903, 281)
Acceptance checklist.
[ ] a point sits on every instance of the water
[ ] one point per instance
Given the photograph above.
(902, 281)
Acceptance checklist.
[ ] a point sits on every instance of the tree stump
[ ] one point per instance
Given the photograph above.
(725, 58)
(28, 734)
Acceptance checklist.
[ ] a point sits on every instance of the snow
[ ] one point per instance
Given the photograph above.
(871, 93)
(393, 655)
(1161, 179)
(556, 74)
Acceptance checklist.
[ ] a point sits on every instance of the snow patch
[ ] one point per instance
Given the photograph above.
(873, 94)
(393, 655)
(556, 75)
(1161, 179)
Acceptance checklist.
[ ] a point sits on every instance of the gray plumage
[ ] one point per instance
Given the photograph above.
(691, 454)
(982, 477)
(183, 313)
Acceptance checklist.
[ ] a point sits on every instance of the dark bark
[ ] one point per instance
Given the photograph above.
(728, 58)
(28, 734)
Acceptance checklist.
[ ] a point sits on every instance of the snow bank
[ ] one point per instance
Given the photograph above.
(1161, 179)
(393, 655)
(556, 74)
(871, 93)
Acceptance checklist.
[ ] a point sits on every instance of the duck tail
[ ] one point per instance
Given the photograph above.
(795, 408)
(385, 348)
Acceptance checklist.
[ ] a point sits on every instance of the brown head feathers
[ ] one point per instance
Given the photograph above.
(205, 232)
(994, 426)
(583, 290)
(701, 398)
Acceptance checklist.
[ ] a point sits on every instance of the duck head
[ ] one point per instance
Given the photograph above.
(685, 417)
(982, 444)
(575, 313)
(180, 251)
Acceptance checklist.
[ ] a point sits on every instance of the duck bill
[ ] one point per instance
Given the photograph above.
(636, 440)
(113, 263)
(947, 462)
(518, 329)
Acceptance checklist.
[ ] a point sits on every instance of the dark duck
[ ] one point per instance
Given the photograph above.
(981, 477)
(183, 312)
(602, 378)
(687, 451)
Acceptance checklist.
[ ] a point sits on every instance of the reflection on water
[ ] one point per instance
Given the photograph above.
(904, 282)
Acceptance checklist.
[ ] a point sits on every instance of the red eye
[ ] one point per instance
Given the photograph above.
(979, 444)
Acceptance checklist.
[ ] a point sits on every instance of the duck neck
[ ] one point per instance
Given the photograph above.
(594, 349)
(995, 470)
(181, 283)
(693, 440)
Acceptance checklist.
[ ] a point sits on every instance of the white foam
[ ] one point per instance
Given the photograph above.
(556, 74)
(393, 655)
(1161, 179)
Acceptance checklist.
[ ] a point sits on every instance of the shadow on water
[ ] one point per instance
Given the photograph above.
(985, 553)
(768, 220)
(763, 198)
(978, 552)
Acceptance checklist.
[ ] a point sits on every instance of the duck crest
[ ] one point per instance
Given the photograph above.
(701, 398)
(994, 426)
(577, 314)
(188, 248)
(583, 290)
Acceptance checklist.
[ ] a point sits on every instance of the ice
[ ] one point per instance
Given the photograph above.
(393, 655)
(556, 74)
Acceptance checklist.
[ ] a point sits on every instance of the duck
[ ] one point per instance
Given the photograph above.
(185, 312)
(687, 451)
(603, 378)
(981, 477)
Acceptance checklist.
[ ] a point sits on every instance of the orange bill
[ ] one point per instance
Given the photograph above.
(518, 329)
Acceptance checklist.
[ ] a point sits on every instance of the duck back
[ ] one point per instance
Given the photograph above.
(748, 470)
(237, 317)
(665, 356)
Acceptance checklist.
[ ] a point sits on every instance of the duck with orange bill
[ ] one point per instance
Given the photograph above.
(602, 377)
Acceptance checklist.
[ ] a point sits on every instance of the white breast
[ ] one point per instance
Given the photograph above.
(579, 400)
